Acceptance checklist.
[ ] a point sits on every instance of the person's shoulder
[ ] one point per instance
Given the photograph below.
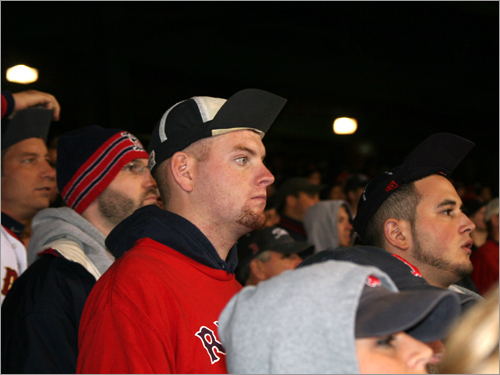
(48, 283)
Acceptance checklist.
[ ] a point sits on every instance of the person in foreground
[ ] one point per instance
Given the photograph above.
(155, 310)
(41, 314)
(472, 345)
(334, 317)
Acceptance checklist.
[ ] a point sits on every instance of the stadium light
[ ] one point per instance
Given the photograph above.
(22, 74)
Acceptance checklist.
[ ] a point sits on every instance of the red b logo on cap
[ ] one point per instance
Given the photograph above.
(391, 186)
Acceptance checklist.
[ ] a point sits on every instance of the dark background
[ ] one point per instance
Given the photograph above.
(404, 70)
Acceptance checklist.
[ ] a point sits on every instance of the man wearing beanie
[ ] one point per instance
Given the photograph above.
(27, 178)
(156, 309)
(103, 177)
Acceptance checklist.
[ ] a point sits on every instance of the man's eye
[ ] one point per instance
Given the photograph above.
(28, 160)
(242, 160)
(448, 211)
(386, 341)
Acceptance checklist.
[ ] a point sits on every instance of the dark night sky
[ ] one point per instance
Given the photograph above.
(404, 70)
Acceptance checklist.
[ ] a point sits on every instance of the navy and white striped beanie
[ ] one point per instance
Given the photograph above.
(88, 160)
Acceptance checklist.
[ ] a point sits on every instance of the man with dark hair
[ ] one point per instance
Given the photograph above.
(156, 309)
(103, 177)
(293, 197)
(414, 212)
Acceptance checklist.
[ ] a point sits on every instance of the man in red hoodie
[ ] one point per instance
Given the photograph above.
(156, 309)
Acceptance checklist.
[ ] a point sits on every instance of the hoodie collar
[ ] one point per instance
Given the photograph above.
(170, 230)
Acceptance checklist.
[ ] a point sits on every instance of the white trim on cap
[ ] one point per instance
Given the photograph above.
(161, 129)
(224, 131)
(208, 106)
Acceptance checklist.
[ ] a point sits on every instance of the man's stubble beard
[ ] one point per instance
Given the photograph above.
(429, 258)
(115, 206)
(251, 219)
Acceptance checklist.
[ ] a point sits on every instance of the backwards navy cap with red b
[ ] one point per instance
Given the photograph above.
(438, 154)
(88, 159)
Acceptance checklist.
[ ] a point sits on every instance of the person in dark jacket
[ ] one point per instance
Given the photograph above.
(103, 177)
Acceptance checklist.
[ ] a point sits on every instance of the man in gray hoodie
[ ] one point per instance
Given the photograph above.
(103, 177)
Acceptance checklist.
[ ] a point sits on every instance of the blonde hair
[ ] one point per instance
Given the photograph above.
(472, 346)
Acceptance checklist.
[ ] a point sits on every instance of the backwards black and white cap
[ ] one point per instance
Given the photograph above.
(438, 154)
(202, 116)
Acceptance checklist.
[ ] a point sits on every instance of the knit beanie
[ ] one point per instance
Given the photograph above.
(88, 160)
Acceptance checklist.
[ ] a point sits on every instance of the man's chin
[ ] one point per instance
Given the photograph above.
(252, 220)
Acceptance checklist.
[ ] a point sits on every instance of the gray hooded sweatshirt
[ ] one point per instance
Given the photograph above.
(299, 322)
(320, 222)
(73, 236)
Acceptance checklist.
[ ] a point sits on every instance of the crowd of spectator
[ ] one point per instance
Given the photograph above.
(191, 258)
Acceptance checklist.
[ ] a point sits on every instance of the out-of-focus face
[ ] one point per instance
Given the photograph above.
(441, 236)
(394, 354)
(272, 217)
(27, 179)
(231, 183)
(337, 193)
(279, 262)
(315, 178)
(132, 188)
(344, 227)
(478, 219)
(304, 201)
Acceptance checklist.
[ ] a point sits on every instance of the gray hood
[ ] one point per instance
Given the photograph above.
(301, 321)
(53, 223)
(320, 222)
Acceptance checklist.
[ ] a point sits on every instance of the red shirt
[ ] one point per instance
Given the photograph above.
(485, 261)
(155, 311)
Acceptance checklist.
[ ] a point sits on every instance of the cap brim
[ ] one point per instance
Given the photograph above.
(425, 315)
(247, 109)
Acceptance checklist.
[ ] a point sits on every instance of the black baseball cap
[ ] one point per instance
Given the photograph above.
(202, 116)
(270, 238)
(31, 122)
(293, 186)
(426, 315)
(438, 154)
(403, 273)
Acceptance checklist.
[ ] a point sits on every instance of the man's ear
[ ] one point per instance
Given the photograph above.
(397, 233)
(256, 267)
(183, 167)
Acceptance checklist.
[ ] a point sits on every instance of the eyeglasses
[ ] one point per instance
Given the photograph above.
(136, 167)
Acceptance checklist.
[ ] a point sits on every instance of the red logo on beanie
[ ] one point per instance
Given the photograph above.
(391, 186)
